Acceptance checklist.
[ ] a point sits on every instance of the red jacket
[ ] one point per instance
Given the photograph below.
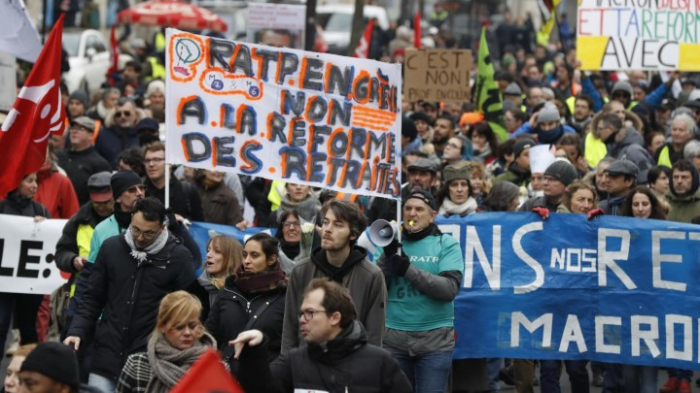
(56, 193)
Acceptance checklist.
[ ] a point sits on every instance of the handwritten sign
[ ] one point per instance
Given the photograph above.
(438, 75)
(639, 35)
(301, 117)
(277, 24)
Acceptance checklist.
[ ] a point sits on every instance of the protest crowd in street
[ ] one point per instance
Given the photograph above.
(314, 304)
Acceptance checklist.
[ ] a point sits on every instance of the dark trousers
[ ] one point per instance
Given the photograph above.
(24, 307)
(550, 371)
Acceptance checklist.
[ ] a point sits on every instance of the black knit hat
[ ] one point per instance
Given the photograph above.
(122, 181)
(408, 129)
(562, 171)
(56, 361)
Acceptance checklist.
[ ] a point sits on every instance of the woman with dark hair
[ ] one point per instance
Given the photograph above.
(502, 198)
(252, 299)
(296, 238)
(642, 203)
(485, 142)
(23, 306)
(659, 178)
(456, 195)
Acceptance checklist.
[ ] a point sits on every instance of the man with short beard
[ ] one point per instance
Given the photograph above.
(444, 130)
(341, 260)
(119, 133)
(583, 113)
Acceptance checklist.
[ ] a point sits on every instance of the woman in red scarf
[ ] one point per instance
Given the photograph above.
(252, 299)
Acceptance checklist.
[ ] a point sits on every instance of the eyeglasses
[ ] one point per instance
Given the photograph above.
(309, 314)
(120, 114)
(156, 160)
(148, 235)
(454, 146)
(291, 224)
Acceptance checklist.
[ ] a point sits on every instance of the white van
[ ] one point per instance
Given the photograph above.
(336, 21)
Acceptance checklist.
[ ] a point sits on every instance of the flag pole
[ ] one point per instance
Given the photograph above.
(45, 10)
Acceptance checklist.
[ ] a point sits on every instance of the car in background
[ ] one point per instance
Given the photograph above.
(336, 21)
(88, 56)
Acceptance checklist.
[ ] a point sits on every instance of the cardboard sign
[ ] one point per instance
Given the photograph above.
(281, 25)
(639, 35)
(438, 75)
(283, 114)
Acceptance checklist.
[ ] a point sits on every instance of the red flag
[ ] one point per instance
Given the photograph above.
(36, 114)
(207, 374)
(417, 34)
(362, 50)
(113, 57)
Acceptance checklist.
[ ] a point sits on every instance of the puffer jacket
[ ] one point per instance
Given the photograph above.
(127, 294)
(629, 145)
(344, 364)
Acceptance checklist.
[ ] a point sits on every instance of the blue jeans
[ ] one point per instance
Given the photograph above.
(24, 308)
(428, 372)
(103, 383)
(642, 379)
(493, 367)
(550, 371)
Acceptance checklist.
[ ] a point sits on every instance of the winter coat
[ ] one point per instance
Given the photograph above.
(364, 280)
(56, 193)
(184, 198)
(16, 205)
(127, 294)
(79, 166)
(629, 144)
(515, 175)
(68, 246)
(219, 204)
(111, 141)
(683, 208)
(232, 311)
(345, 364)
(538, 202)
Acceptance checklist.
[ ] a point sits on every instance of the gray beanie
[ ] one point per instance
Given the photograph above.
(512, 90)
(622, 86)
(562, 171)
(82, 97)
(548, 113)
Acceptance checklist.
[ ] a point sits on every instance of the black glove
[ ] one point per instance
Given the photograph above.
(399, 264)
(392, 248)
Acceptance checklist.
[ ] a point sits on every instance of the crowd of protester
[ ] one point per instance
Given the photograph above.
(593, 143)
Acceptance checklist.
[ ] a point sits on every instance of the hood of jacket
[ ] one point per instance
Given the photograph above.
(692, 195)
(346, 342)
(318, 258)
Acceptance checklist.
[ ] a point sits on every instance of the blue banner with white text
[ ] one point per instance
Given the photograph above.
(614, 289)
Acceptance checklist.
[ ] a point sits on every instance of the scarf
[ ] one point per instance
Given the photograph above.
(484, 153)
(264, 281)
(291, 250)
(450, 208)
(209, 284)
(431, 229)
(169, 364)
(101, 110)
(141, 255)
(549, 137)
(18, 201)
(123, 218)
(307, 209)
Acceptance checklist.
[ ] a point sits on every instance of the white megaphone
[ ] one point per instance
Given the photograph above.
(382, 232)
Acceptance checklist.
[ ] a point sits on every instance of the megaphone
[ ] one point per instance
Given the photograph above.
(382, 232)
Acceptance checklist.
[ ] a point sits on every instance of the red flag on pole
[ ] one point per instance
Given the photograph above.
(113, 57)
(207, 374)
(362, 50)
(37, 113)
(417, 34)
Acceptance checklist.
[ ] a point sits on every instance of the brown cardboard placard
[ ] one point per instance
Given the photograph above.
(438, 75)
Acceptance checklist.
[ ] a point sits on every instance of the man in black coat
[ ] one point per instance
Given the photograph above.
(82, 161)
(131, 274)
(336, 358)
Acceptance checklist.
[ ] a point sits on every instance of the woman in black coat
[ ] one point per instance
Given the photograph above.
(252, 299)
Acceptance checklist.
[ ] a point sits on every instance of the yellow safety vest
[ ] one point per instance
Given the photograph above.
(159, 42)
(595, 150)
(82, 238)
(274, 196)
(664, 158)
(157, 69)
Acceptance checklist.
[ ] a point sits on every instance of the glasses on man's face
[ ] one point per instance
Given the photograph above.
(156, 160)
(454, 146)
(124, 113)
(148, 235)
(309, 314)
(291, 224)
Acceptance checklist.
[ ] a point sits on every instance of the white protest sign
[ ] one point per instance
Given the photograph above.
(27, 263)
(277, 24)
(301, 117)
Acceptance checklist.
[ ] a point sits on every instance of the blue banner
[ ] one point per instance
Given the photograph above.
(614, 289)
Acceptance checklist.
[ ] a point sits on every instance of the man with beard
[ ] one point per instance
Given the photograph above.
(583, 113)
(119, 133)
(624, 143)
(341, 260)
(444, 130)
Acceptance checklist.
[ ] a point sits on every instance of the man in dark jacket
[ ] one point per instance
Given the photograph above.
(337, 357)
(119, 133)
(82, 161)
(131, 274)
(557, 177)
(619, 177)
(625, 143)
(184, 199)
(342, 261)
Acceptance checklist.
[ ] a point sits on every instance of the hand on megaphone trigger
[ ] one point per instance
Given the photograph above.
(392, 248)
(399, 264)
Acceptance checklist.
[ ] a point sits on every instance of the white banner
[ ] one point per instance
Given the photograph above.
(27, 263)
(280, 25)
(302, 117)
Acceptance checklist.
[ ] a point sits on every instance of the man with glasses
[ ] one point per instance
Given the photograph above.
(132, 273)
(119, 132)
(82, 161)
(341, 260)
(184, 199)
(337, 357)
(624, 143)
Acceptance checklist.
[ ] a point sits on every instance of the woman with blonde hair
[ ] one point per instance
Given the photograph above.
(177, 342)
(224, 257)
(479, 181)
(579, 198)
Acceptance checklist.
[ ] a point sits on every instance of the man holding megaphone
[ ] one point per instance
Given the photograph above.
(423, 273)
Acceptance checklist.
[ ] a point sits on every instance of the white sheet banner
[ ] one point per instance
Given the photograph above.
(27, 263)
(302, 117)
